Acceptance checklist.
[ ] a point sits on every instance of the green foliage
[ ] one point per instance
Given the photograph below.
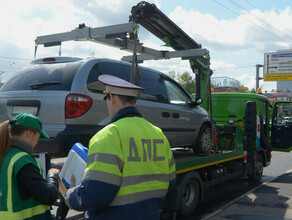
(243, 89)
(185, 80)
(252, 90)
(173, 75)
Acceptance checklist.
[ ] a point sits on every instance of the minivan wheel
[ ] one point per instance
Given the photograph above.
(204, 140)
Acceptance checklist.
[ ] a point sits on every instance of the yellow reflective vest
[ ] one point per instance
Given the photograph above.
(134, 155)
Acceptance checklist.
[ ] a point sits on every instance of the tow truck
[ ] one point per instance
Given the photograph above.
(241, 141)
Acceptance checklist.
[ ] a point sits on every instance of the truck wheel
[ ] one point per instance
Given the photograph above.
(189, 196)
(204, 141)
(257, 169)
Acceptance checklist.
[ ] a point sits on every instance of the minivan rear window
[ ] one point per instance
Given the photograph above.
(56, 76)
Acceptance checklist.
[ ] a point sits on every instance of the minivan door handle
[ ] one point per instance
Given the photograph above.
(175, 115)
(165, 114)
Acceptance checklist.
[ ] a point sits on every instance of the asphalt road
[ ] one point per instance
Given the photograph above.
(281, 163)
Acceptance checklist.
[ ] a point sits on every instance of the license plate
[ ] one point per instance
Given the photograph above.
(24, 109)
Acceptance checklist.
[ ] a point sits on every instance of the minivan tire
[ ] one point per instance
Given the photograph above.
(204, 141)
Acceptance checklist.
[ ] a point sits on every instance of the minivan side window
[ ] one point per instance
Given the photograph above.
(109, 68)
(176, 95)
(151, 81)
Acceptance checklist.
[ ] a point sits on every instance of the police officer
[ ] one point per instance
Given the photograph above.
(130, 165)
(24, 193)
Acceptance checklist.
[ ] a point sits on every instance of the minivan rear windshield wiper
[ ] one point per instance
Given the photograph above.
(37, 85)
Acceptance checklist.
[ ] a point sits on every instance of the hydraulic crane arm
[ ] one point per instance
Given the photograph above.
(155, 21)
(150, 17)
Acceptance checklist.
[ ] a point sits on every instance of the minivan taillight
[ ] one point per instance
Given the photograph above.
(49, 59)
(76, 105)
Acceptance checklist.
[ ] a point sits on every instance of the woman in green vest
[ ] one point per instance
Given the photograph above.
(24, 193)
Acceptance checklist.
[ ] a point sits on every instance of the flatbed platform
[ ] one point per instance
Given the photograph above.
(186, 160)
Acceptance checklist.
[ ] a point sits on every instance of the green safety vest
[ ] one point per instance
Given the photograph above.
(11, 205)
(134, 155)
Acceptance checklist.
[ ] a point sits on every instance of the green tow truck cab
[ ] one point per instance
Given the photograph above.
(251, 112)
(263, 128)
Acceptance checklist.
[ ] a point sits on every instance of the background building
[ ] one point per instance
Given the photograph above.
(227, 84)
(284, 86)
(282, 93)
(278, 96)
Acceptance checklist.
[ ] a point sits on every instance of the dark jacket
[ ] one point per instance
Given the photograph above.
(32, 183)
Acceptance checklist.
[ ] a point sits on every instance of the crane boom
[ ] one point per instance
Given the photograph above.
(155, 21)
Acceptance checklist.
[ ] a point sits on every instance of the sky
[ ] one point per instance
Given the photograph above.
(237, 33)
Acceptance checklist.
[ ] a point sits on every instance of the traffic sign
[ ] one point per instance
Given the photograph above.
(278, 66)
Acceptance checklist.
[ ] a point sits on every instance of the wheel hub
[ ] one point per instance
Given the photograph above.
(206, 140)
(189, 194)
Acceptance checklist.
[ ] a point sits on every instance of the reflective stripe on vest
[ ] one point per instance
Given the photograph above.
(26, 213)
(125, 181)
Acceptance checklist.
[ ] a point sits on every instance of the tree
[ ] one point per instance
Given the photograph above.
(243, 89)
(252, 90)
(173, 75)
(185, 80)
(237, 87)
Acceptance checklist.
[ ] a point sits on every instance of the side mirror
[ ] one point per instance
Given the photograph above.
(199, 101)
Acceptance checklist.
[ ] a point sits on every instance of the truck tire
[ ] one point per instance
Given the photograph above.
(204, 141)
(258, 169)
(190, 193)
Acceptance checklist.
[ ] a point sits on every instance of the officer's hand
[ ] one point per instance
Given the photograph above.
(62, 187)
(72, 181)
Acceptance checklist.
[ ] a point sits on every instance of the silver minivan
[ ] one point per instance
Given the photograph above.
(65, 93)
